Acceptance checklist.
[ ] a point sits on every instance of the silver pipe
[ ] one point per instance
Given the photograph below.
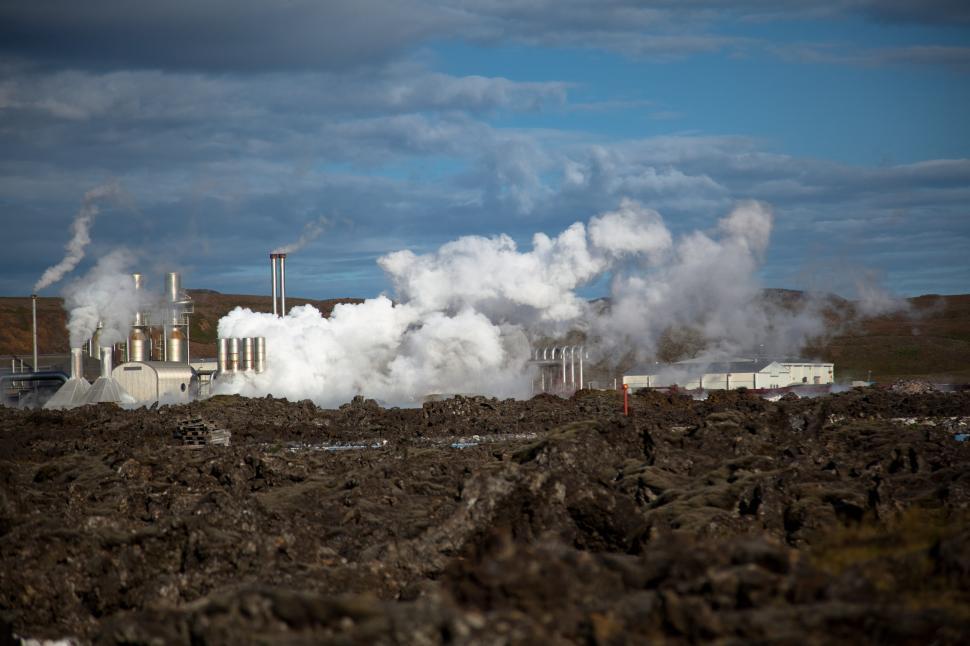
(138, 280)
(282, 284)
(106, 361)
(572, 366)
(77, 369)
(563, 356)
(33, 300)
(272, 263)
(582, 351)
(173, 286)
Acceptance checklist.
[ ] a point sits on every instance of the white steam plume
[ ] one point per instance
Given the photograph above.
(82, 234)
(466, 312)
(311, 231)
(105, 294)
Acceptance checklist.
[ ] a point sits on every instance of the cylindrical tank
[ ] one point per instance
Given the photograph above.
(223, 357)
(137, 345)
(246, 353)
(176, 345)
(259, 353)
(232, 355)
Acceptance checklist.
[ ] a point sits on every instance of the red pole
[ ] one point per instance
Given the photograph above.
(626, 400)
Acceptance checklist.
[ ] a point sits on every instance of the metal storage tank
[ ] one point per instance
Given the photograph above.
(149, 381)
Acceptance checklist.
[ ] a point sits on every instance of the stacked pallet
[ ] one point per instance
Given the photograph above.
(195, 432)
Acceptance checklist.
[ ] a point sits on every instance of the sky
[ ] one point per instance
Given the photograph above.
(228, 128)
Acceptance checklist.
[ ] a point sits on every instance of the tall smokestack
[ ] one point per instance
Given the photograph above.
(282, 284)
(33, 300)
(137, 341)
(272, 263)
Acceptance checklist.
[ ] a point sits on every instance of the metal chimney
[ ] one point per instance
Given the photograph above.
(77, 368)
(33, 300)
(137, 341)
(272, 264)
(106, 361)
(282, 284)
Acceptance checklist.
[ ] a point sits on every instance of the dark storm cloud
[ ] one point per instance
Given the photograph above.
(232, 35)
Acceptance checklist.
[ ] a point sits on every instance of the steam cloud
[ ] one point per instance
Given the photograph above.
(81, 238)
(311, 231)
(106, 295)
(465, 313)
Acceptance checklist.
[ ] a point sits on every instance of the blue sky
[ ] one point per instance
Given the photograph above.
(409, 123)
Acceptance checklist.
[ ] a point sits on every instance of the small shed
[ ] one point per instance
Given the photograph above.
(149, 381)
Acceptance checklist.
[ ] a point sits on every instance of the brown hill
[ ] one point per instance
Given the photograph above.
(931, 341)
(210, 306)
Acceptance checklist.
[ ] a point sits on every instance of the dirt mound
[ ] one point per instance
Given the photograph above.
(476, 520)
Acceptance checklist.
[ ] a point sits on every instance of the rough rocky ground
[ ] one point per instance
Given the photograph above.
(832, 520)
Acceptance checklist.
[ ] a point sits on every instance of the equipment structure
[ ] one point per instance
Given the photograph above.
(557, 369)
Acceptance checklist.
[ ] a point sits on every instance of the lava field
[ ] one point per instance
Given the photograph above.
(839, 519)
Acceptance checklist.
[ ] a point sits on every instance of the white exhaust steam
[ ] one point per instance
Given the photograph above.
(82, 234)
(311, 231)
(465, 313)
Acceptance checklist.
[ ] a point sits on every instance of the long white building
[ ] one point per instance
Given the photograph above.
(736, 373)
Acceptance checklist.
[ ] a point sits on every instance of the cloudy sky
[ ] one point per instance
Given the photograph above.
(229, 125)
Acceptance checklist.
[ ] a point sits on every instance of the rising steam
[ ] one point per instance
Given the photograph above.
(82, 236)
(105, 295)
(311, 231)
(465, 313)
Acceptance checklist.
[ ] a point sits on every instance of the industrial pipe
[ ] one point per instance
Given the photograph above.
(572, 366)
(77, 368)
(282, 284)
(33, 300)
(106, 361)
(582, 351)
(563, 357)
(272, 263)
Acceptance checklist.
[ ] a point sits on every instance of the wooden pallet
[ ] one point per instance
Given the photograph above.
(195, 432)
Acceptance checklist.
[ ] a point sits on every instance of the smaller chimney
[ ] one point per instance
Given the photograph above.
(77, 368)
(106, 361)
(33, 300)
(282, 284)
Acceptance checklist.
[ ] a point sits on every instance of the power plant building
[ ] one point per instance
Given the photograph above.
(148, 381)
(729, 375)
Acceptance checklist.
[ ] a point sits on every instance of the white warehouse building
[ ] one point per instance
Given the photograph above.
(728, 375)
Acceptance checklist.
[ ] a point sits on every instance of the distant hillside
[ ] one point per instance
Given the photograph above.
(931, 341)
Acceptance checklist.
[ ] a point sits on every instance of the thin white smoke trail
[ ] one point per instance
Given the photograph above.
(311, 231)
(81, 227)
